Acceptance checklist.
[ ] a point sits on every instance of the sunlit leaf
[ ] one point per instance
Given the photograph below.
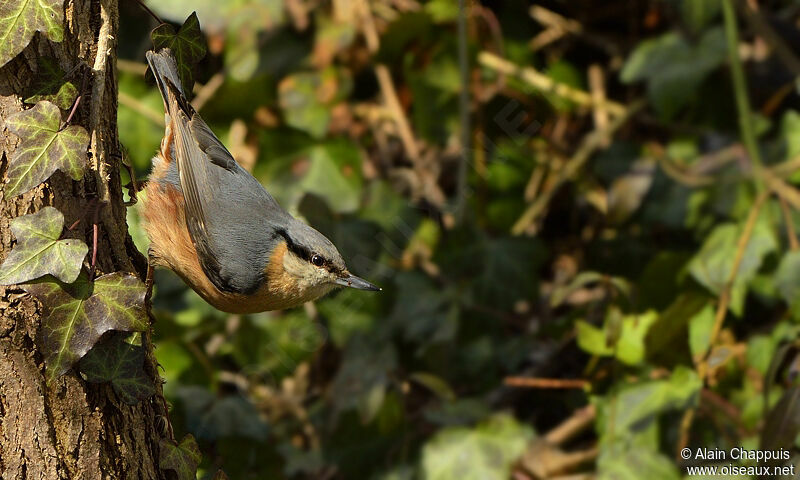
(182, 459)
(50, 84)
(39, 251)
(485, 452)
(187, 44)
(713, 264)
(619, 461)
(334, 174)
(121, 363)
(629, 346)
(306, 98)
(44, 148)
(20, 19)
(77, 315)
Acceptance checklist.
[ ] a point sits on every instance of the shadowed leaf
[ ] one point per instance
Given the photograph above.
(78, 314)
(182, 458)
(20, 19)
(39, 251)
(484, 452)
(121, 363)
(44, 149)
(49, 84)
(187, 44)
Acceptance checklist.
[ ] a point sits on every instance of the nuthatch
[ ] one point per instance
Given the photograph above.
(215, 225)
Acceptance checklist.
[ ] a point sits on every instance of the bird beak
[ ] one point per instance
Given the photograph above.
(356, 282)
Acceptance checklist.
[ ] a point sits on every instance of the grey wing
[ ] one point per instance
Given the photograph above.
(228, 213)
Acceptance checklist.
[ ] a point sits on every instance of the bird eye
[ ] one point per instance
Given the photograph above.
(317, 260)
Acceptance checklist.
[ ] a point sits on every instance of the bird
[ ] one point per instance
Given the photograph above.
(212, 223)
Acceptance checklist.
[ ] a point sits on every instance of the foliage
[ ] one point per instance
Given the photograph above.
(20, 19)
(45, 148)
(651, 263)
(79, 313)
(39, 251)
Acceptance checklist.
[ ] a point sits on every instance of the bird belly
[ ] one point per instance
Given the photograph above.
(171, 247)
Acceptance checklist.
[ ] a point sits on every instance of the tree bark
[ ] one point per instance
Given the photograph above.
(70, 429)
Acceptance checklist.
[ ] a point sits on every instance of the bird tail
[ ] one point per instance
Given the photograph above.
(165, 71)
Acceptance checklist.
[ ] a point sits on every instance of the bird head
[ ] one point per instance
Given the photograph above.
(314, 261)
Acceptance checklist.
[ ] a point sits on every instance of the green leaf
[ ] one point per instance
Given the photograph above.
(122, 363)
(643, 402)
(713, 264)
(628, 346)
(621, 462)
(700, 326)
(485, 452)
(699, 13)
(50, 84)
(44, 148)
(78, 314)
(187, 44)
(334, 174)
(674, 68)
(306, 98)
(182, 459)
(20, 19)
(362, 378)
(40, 252)
(787, 279)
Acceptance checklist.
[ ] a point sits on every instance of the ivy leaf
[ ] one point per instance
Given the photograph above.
(485, 452)
(20, 19)
(182, 458)
(187, 44)
(78, 314)
(49, 84)
(39, 251)
(44, 149)
(121, 363)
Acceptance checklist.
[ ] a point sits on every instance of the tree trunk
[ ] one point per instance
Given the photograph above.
(69, 428)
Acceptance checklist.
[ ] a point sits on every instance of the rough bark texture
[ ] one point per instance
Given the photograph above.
(70, 429)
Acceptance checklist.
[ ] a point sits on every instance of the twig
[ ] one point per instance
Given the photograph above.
(534, 382)
(725, 297)
(205, 92)
(129, 66)
(740, 90)
(387, 85)
(572, 426)
(591, 143)
(787, 218)
(464, 113)
(84, 85)
(597, 88)
(765, 31)
(544, 83)
(140, 108)
(152, 13)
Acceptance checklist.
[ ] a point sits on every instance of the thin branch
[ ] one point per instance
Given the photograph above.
(387, 85)
(740, 90)
(787, 219)
(535, 382)
(725, 297)
(152, 13)
(762, 27)
(140, 108)
(544, 83)
(464, 112)
(589, 145)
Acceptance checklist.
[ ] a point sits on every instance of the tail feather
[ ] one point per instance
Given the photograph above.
(165, 71)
